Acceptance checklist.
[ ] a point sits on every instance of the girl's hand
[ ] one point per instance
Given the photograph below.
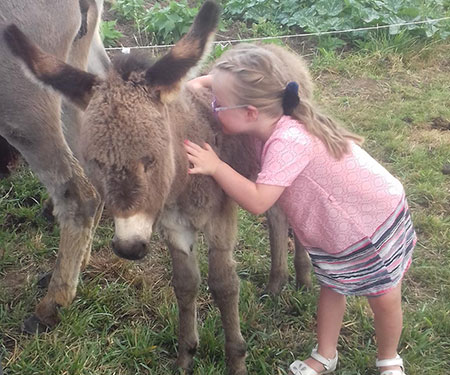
(200, 82)
(205, 160)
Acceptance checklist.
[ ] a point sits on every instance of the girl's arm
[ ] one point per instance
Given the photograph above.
(255, 198)
(200, 82)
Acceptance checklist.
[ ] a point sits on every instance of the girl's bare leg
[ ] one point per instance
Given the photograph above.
(388, 318)
(330, 312)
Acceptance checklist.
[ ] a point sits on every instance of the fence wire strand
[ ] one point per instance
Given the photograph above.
(231, 41)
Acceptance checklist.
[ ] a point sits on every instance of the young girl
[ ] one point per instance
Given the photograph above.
(345, 208)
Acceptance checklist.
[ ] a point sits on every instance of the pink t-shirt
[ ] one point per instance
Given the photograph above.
(331, 204)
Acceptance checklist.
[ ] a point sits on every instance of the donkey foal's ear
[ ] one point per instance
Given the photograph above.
(167, 74)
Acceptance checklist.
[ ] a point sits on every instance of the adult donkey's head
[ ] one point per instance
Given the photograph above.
(126, 143)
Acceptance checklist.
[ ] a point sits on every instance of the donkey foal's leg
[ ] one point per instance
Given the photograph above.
(278, 235)
(302, 265)
(186, 281)
(224, 285)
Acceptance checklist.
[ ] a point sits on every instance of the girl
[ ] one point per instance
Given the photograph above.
(346, 209)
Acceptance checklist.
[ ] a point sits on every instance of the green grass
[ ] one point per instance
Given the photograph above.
(124, 318)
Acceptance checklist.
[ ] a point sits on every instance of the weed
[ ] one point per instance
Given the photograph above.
(109, 34)
(168, 24)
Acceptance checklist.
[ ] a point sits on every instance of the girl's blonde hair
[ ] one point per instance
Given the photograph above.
(261, 74)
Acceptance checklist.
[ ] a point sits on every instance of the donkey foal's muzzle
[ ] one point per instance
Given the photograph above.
(131, 250)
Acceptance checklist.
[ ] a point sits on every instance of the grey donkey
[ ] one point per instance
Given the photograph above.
(30, 120)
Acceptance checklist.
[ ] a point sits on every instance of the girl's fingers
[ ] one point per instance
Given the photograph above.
(193, 171)
(191, 151)
(191, 144)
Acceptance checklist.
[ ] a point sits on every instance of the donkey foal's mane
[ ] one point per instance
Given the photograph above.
(125, 64)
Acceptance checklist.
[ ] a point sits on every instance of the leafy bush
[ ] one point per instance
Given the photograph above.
(130, 10)
(315, 16)
(109, 33)
(168, 24)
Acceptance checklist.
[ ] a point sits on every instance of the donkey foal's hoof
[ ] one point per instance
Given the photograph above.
(274, 289)
(33, 325)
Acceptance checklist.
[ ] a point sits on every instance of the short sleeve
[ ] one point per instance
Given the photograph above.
(286, 153)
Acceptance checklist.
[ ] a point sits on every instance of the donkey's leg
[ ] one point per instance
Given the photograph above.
(181, 238)
(38, 137)
(47, 212)
(87, 254)
(224, 283)
(278, 235)
(302, 265)
(76, 203)
(44, 279)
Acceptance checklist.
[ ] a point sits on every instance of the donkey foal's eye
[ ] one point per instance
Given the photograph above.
(148, 162)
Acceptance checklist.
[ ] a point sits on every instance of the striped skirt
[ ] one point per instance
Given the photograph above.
(374, 265)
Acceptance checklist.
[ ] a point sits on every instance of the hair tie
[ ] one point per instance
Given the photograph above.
(290, 98)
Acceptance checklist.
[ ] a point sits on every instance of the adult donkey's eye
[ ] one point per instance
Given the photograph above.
(147, 162)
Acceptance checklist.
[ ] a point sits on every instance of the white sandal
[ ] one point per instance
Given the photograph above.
(301, 368)
(397, 361)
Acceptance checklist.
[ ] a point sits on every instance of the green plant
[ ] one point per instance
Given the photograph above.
(315, 16)
(130, 10)
(168, 24)
(384, 42)
(330, 43)
(266, 28)
(109, 33)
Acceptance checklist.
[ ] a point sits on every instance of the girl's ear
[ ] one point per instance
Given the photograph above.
(252, 113)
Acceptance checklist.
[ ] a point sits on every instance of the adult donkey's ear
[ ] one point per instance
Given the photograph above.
(73, 83)
(167, 74)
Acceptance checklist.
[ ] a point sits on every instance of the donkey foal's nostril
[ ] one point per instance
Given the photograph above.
(142, 249)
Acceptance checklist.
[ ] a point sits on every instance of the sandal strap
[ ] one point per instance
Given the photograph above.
(397, 361)
(392, 372)
(328, 363)
(301, 368)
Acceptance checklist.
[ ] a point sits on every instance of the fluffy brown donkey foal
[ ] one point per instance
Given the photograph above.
(133, 128)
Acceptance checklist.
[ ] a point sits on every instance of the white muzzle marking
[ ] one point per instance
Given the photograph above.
(138, 226)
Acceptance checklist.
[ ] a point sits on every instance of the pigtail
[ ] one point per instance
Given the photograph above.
(290, 98)
(332, 134)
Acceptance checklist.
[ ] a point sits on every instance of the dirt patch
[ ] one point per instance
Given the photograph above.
(14, 281)
(127, 28)
(151, 272)
(440, 123)
(425, 135)
(362, 87)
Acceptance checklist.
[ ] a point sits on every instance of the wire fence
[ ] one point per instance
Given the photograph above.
(282, 37)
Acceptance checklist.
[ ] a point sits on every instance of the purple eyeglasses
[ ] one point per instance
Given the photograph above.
(216, 109)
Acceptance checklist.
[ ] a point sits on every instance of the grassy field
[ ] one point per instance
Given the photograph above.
(124, 318)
